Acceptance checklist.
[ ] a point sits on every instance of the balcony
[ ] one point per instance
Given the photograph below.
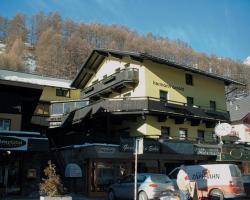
(178, 111)
(126, 78)
(60, 108)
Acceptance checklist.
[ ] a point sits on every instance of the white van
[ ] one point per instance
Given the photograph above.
(214, 180)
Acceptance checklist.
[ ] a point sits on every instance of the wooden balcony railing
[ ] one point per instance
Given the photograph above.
(150, 104)
(124, 78)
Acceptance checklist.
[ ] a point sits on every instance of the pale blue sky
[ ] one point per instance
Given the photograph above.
(220, 27)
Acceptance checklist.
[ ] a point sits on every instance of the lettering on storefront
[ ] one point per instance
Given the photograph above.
(12, 142)
(206, 151)
(149, 146)
(168, 86)
(105, 150)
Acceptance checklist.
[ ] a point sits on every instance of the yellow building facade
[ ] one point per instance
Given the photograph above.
(156, 78)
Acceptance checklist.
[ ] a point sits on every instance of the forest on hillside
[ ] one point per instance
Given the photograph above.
(59, 47)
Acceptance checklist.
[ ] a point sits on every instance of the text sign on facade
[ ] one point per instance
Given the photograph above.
(127, 145)
(13, 143)
(206, 151)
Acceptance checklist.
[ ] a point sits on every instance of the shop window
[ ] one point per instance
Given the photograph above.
(5, 124)
(60, 92)
(165, 132)
(163, 95)
(183, 133)
(189, 79)
(200, 135)
(213, 105)
(190, 101)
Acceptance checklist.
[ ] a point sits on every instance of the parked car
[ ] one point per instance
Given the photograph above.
(215, 180)
(169, 195)
(149, 186)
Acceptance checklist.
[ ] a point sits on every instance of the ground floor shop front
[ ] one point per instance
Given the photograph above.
(91, 168)
(22, 159)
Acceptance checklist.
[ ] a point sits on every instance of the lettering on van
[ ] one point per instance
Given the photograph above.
(205, 174)
(168, 86)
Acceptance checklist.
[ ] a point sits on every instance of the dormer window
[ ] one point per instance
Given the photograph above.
(189, 79)
(127, 65)
(105, 76)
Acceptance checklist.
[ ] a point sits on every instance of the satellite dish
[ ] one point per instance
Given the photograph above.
(222, 129)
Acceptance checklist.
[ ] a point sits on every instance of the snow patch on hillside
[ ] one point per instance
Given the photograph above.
(2, 47)
(247, 61)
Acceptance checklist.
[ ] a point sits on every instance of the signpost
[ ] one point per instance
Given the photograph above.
(138, 150)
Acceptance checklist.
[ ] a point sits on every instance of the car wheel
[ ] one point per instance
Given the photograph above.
(111, 195)
(216, 194)
(142, 196)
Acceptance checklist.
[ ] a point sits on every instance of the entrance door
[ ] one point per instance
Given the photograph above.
(10, 178)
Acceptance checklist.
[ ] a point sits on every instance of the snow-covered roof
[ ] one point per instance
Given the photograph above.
(89, 145)
(34, 79)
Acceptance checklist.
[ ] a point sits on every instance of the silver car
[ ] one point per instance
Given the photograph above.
(149, 186)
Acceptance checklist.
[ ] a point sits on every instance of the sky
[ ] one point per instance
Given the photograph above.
(220, 27)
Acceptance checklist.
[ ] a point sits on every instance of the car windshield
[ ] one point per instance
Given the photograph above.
(160, 178)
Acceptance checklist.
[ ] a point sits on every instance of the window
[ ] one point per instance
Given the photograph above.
(189, 79)
(57, 108)
(165, 132)
(117, 70)
(190, 101)
(5, 124)
(42, 109)
(163, 95)
(213, 105)
(200, 135)
(183, 133)
(62, 92)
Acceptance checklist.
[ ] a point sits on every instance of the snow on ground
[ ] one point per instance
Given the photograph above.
(2, 46)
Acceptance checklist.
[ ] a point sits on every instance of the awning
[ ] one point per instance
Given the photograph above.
(77, 116)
